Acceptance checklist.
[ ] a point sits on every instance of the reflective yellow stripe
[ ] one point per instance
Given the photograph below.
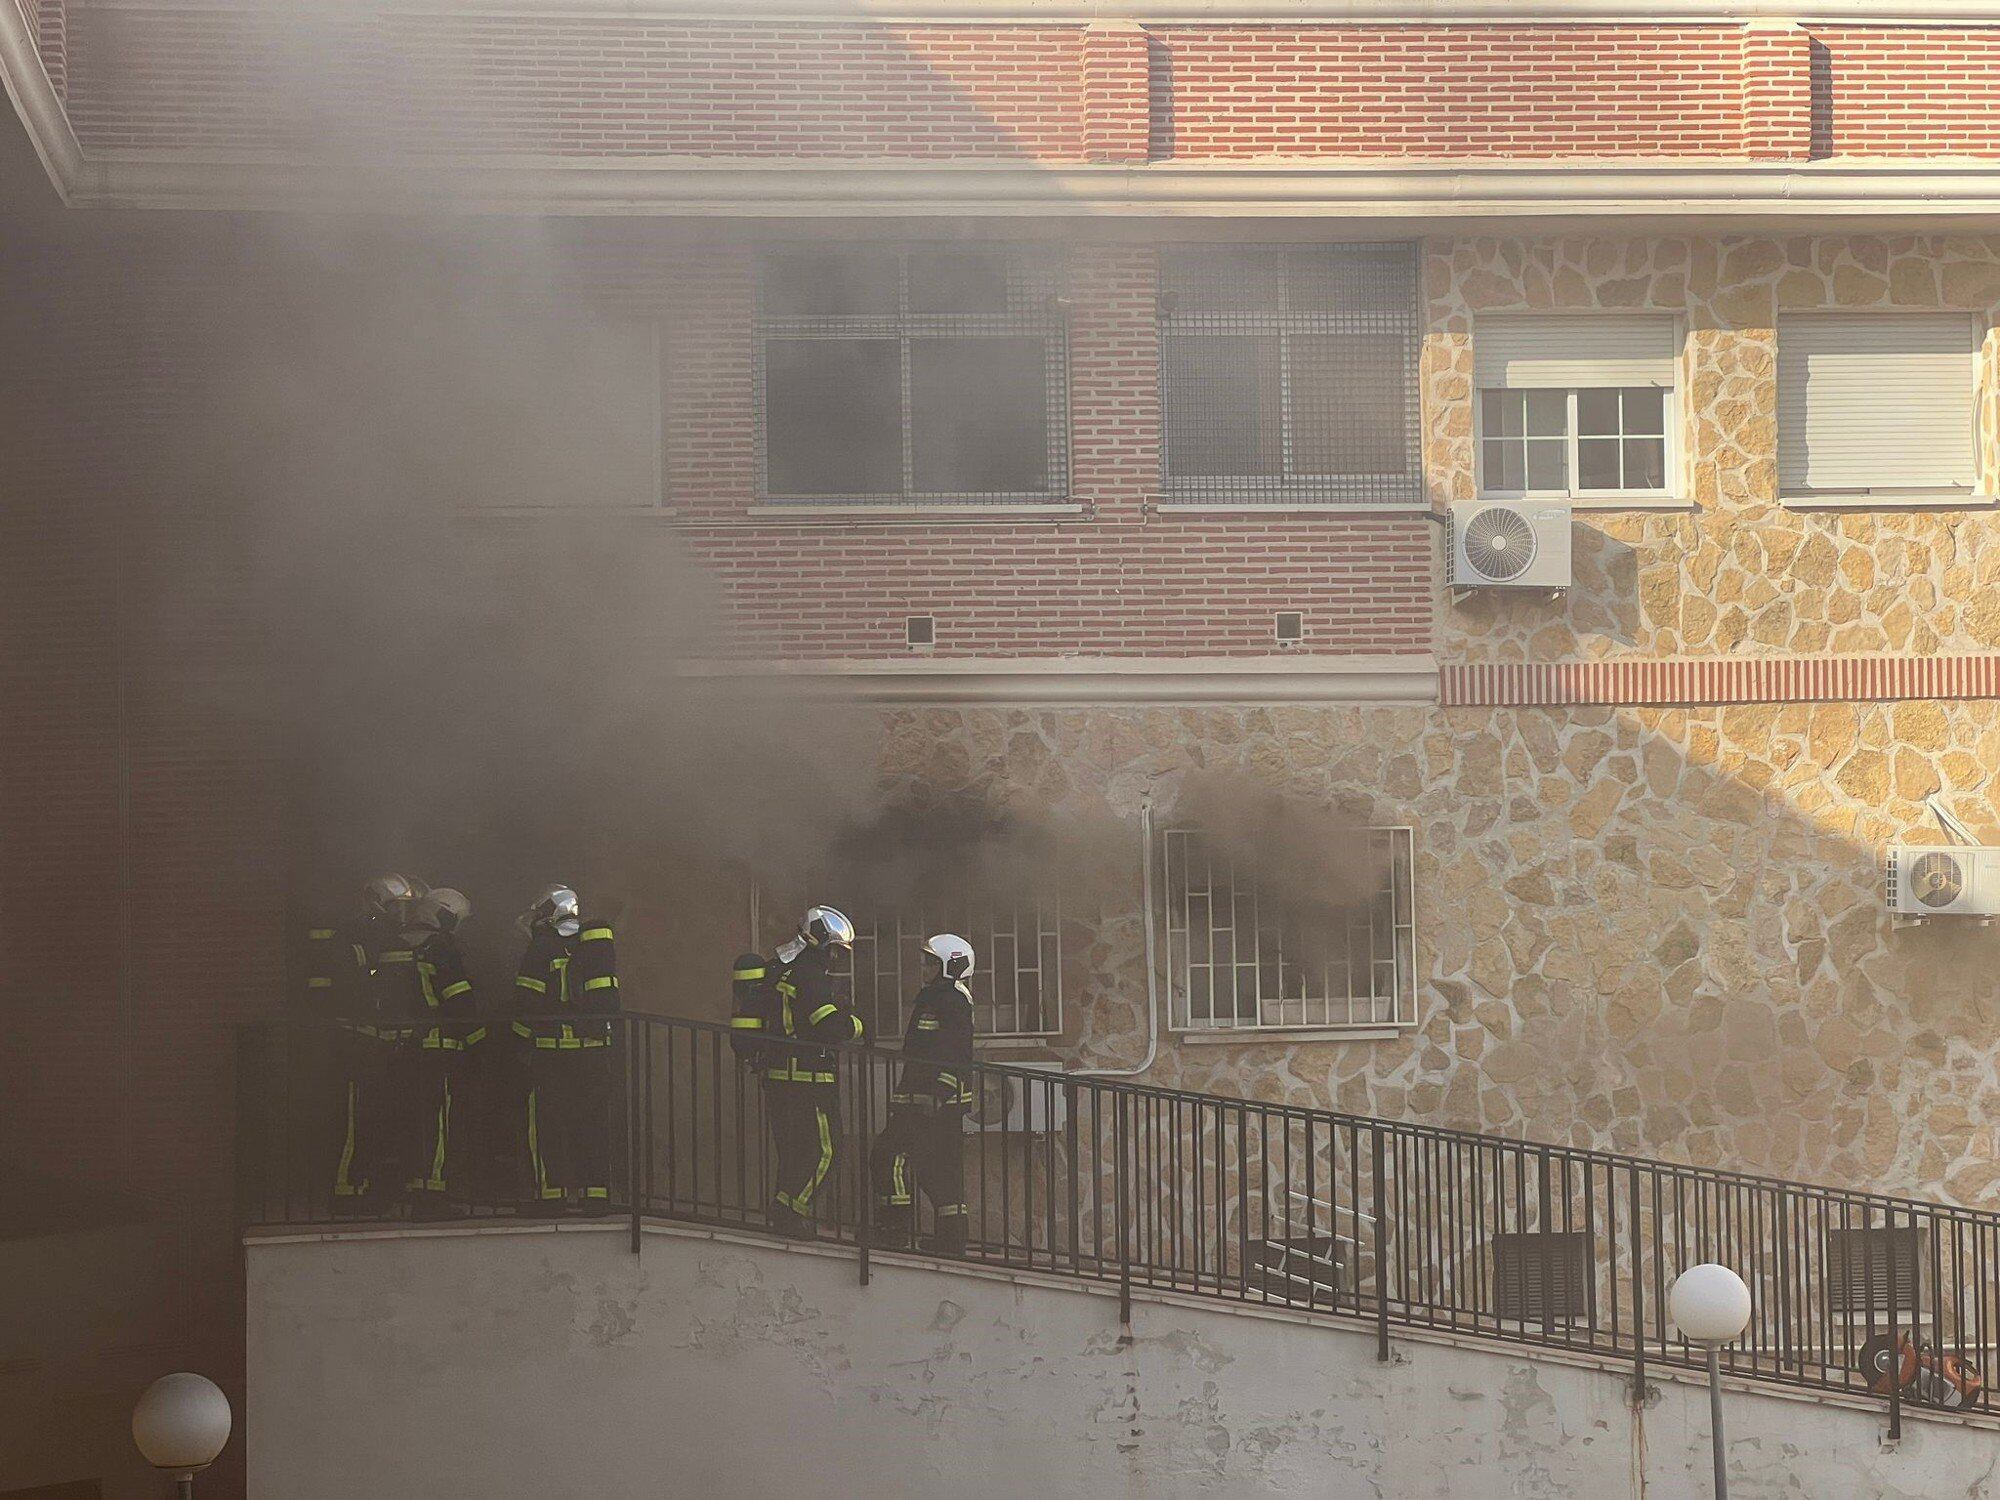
(597, 1192)
(342, 1187)
(800, 1200)
(821, 1014)
(602, 982)
(946, 1210)
(927, 1024)
(535, 1149)
(899, 1186)
(787, 990)
(749, 973)
(317, 933)
(594, 934)
(858, 1028)
(478, 1035)
(522, 1028)
(397, 956)
(531, 984)
(746, 1023)
(456, 989)
(319, 984)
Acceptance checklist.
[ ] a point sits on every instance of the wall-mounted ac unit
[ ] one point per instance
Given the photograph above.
(1509, 544)
(1943, 880)
(1019, 1106)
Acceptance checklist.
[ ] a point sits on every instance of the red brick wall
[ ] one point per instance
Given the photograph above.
(1451, 91)
(1911, 91)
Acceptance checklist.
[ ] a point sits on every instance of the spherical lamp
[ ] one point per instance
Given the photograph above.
(1711, 1306)
(181, 1424)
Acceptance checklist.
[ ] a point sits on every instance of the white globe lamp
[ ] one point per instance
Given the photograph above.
(1711, 1306)
(180, 1424)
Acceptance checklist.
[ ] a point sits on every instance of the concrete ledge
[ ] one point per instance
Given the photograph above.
(1063, 680)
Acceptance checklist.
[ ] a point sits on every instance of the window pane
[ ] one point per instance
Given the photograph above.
(1548, 464)
(1645, 463)
(1597, 464)
(1222, 404)
(1506, 413)
(1597, 413)
(1504, 469)
(830, 284)
(1348, 409)
(833, 416)
(1645, 412)
(1548, 413)
(958, 281)
(979, 415)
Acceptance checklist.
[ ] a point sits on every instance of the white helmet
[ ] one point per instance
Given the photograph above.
(390, 895)
(441, 909)
(558, 907)
(824, 927)
(952, 951)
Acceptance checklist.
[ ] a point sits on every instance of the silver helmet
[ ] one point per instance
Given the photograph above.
(390, 896)
(558, 908)
(951, 951)
(441, 910)
(825, 927)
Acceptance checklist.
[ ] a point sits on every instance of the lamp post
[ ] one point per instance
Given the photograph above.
(180, 1424)
(1711, 1306)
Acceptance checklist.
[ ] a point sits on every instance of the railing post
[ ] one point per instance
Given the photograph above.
(625, 1029)
(1381, 1250)
(1121, 1188)
(1895, 1348)
(866, 1068)
(1638, 1296)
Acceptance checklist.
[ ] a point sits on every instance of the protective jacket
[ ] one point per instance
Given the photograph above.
(566, 986)
(808, 1012)
(937, 1048)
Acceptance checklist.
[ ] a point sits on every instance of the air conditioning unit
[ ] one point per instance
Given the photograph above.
(1509, 544)
(1019, 1106)
(1943, 880)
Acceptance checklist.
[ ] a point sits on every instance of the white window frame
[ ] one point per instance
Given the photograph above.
(1310, 1014)
(1670, 471)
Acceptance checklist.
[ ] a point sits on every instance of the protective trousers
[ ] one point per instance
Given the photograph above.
(805, 1126)
(361, 1145)
(569, 1125)
(921, 1150)
(421, 1081)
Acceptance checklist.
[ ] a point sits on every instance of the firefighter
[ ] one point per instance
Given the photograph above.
(434, 1025)
(923, 1147)
(801, 1087)
(341, 963)
(567, 991)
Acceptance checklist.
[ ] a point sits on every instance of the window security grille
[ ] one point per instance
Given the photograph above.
(1016, 987)
(1289, 374)
(919, 374)
(1236, 963)
(1863, 1266)
(1541, 1276)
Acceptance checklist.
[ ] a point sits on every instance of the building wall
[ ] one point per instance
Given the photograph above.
(747, 1369)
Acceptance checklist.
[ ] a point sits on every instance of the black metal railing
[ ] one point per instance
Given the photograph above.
(1398, 1224)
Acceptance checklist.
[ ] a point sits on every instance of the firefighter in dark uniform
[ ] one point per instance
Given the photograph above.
(340, 965)
(567, 991)
(434, 1024)
(923, 1147)
(801, 1076)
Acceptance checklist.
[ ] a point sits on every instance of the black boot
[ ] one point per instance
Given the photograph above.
(949, 1239)
(789, 1222)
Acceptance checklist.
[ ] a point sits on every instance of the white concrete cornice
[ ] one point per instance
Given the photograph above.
(1079, 681)
(1155, 12)
(1440, 194)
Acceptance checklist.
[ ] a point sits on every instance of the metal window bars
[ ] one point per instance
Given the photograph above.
(1289, 374)
(1379, 1223)
(1017, 983)
(1236, 962)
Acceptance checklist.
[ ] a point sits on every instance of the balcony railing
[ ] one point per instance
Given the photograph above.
(1400, 1225)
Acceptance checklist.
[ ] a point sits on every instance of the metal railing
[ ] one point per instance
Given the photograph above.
(1398, 1224)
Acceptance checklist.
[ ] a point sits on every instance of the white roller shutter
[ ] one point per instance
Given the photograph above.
(1875, 401)
(1565, 352)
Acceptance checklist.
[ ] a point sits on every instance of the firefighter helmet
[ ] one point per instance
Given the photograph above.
(441, 909)
(953, 952)
(824, 927)
(390, 895)
(557, 907)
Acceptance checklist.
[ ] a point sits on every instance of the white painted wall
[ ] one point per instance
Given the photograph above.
(543, 1363)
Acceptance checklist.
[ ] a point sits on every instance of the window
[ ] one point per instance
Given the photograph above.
(1541, 1276)
(1235, 964)
(1876, 401)
(1289, 374)
(1863, 1265)
(1575, 406)
(1016, 984)
(920, 374)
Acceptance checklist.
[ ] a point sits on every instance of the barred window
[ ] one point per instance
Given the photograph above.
(1289, 374)
(1236, 963)
(1875, 1270)
(1542, 1276)
(926, 373)
(1017, 977)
